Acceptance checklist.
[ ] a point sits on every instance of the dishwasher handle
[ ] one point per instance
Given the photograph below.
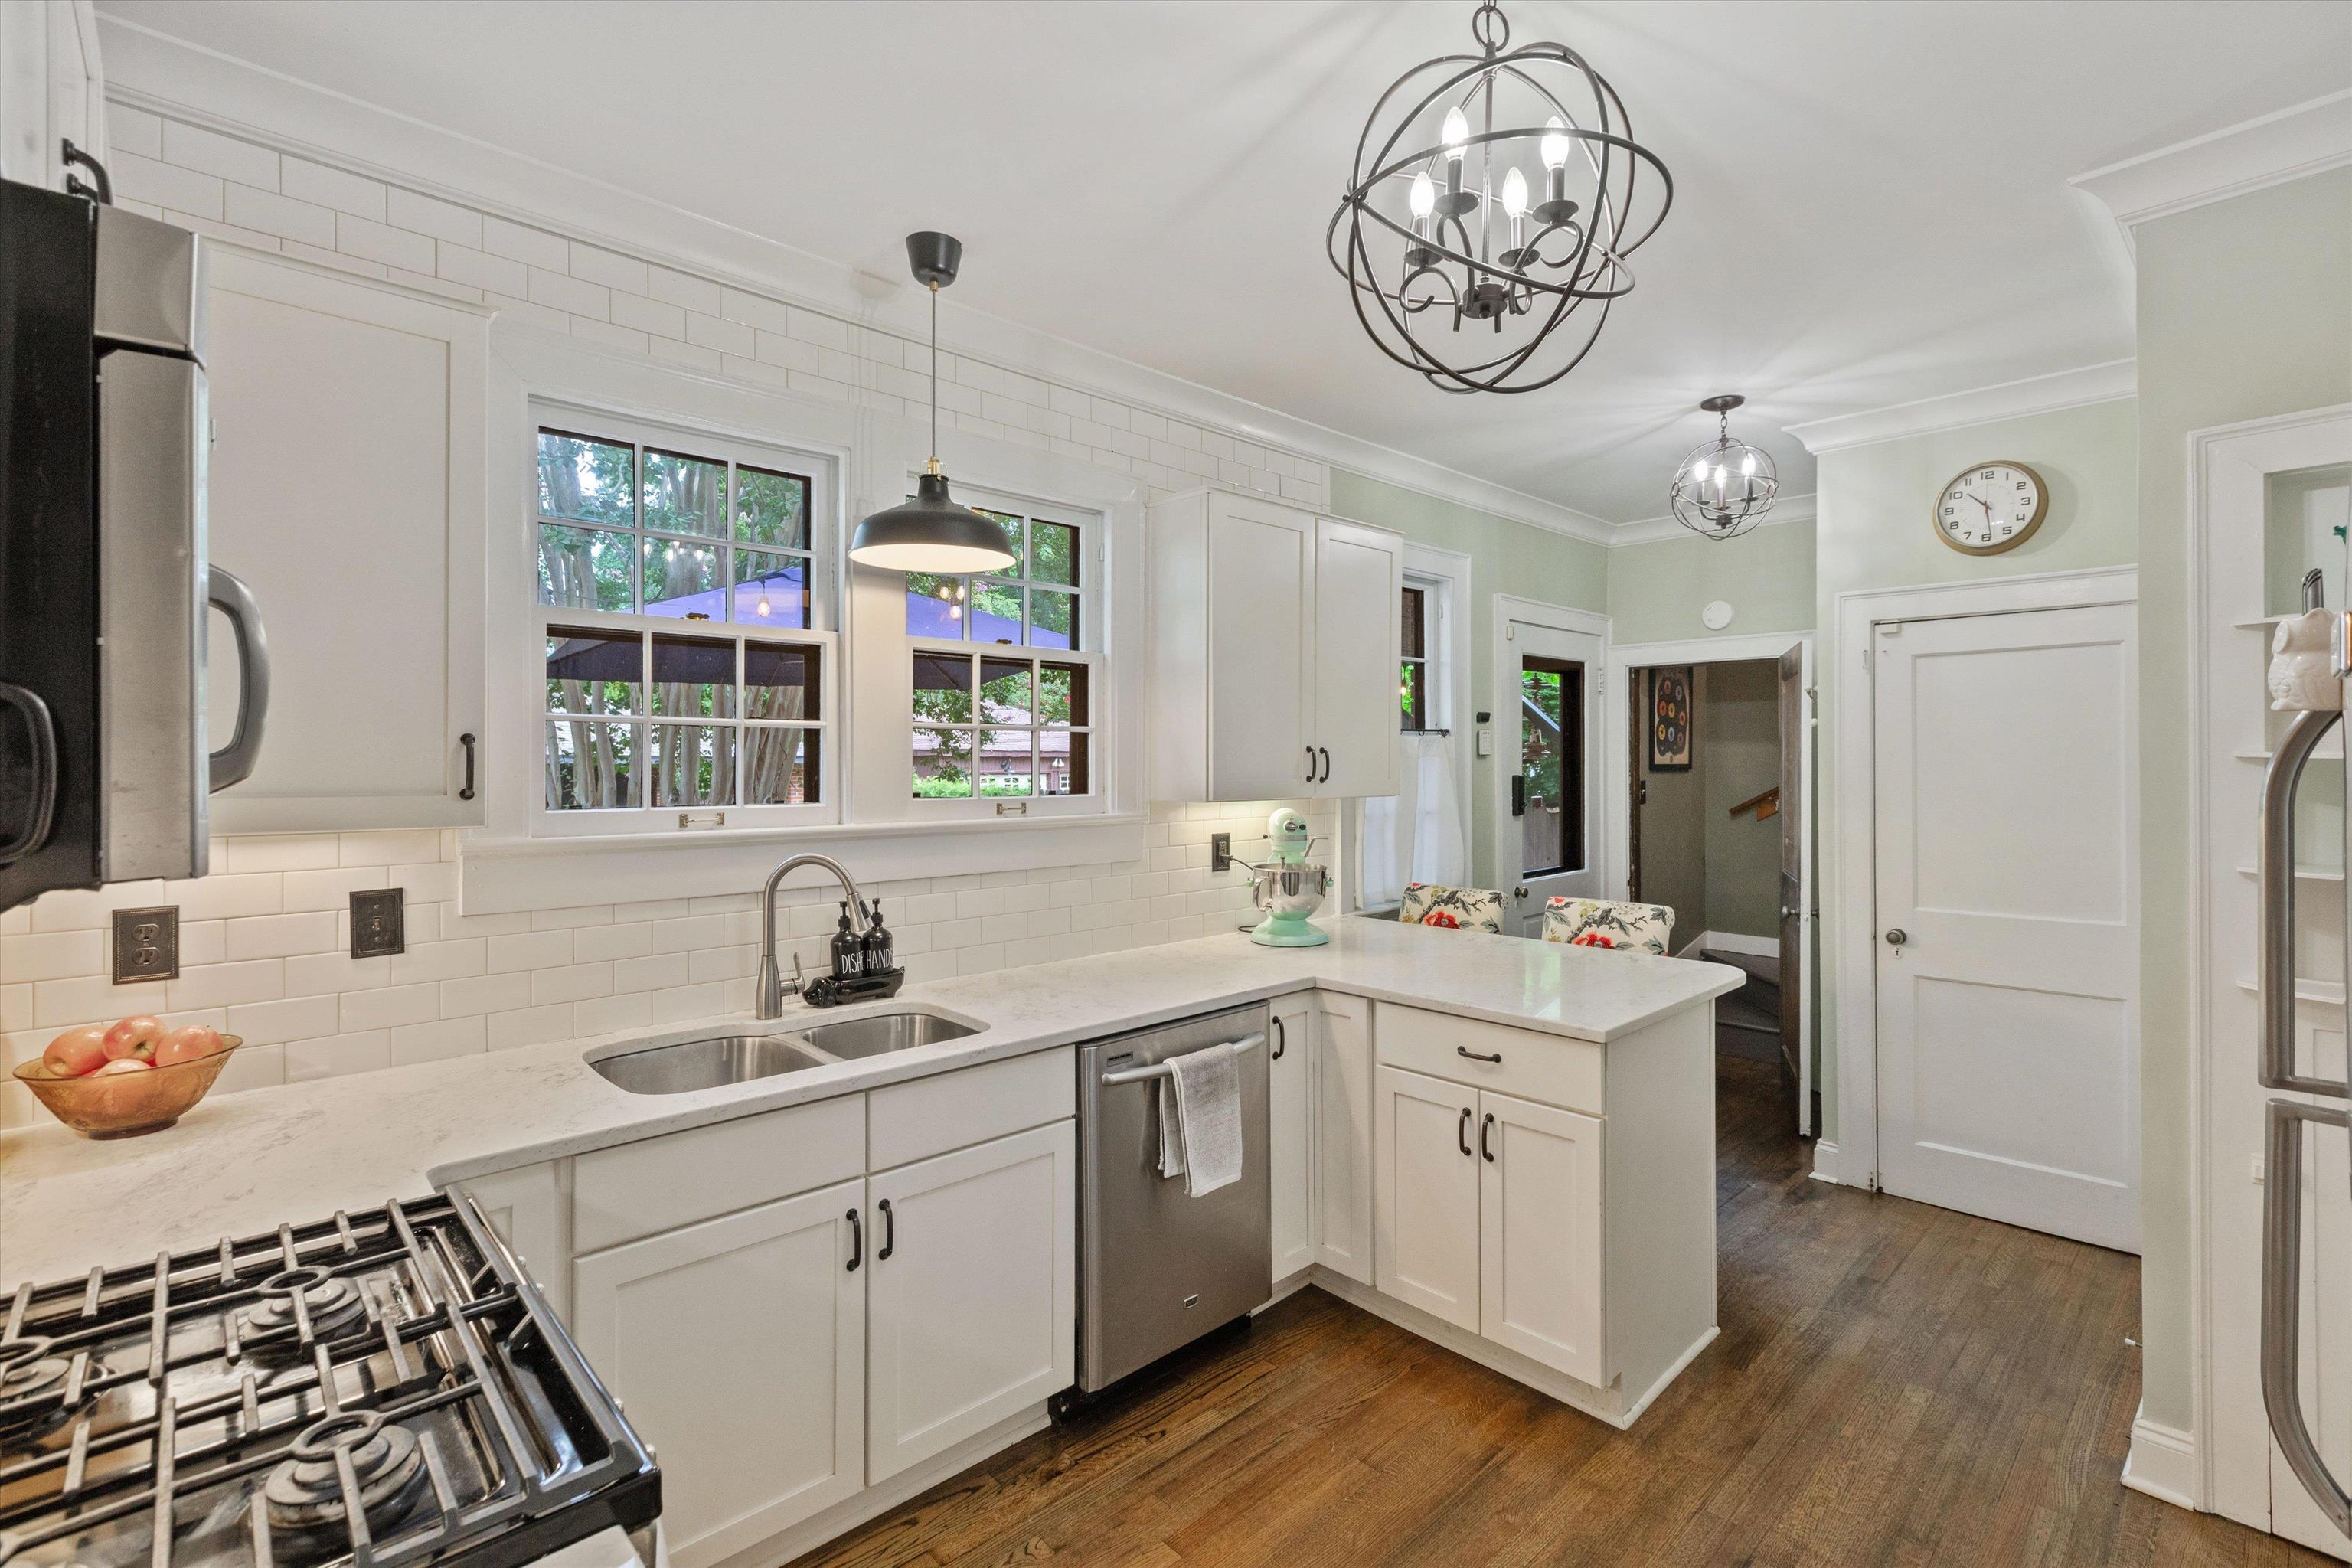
(1161, 1069)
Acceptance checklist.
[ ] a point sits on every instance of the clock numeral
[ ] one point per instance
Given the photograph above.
(1990, 474)
(2021, 484)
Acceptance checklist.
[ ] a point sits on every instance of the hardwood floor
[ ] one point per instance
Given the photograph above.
(1895, 1384)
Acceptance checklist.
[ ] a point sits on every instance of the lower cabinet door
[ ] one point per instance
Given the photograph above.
(737, 1347)
(1426, 1166)
(1290, 1152)
(1541, 1210)
(1342, 1081)
(973, 1305)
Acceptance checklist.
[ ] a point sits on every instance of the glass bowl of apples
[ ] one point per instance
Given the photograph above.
(136, 1075)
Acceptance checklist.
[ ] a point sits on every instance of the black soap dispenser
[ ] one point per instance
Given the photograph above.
(848, 953)
(880, 958)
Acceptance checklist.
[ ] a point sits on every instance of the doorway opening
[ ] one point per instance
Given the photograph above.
(1545, 719)
(1715, 803)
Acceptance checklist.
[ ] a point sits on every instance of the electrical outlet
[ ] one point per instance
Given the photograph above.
(379, 923)
(1220, 851)
(147, 945)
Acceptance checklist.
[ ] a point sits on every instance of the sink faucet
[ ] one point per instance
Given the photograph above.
(771, 986)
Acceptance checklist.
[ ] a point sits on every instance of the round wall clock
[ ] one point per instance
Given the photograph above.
(1991, 508)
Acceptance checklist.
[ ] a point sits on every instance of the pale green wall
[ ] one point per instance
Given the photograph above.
(1874, 534)
(1658, 590)
(2245, 310)
(1740, 734)
(1506, 557)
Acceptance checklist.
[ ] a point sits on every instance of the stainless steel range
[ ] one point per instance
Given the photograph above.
(379, 1388)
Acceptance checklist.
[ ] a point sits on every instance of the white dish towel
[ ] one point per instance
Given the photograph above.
(1200, 1120)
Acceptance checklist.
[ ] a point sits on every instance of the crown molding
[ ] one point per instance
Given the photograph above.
(2009, 400)
(165, 75)
(2305, 139)
(1655, 530)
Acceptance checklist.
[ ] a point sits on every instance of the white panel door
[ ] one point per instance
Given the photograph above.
(1290, 1132)
(1540, 1221)
(1425, 1173)
(2007, 914)
(1358, 602)
(1261, 621)
(1342, 1081)
(347, 490)
(973, 1308)
(737, 1345)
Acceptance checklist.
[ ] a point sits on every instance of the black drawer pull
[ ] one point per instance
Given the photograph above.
(467, 793)
(1476, 1055)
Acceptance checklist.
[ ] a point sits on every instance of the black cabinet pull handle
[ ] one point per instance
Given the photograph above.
(1484, 1128)
(1464, 1133)
(856, 1242)
(467, 793)
(1310, 764)
(1477, 1055)
(41, 788)
(889, 1231)
(1327, 764)
(103, 192)
(1281, 1040)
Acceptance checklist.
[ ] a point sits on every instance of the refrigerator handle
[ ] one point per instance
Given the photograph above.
(41, 797)
(2276, 1062)
(2282, 1301)
(233, 763)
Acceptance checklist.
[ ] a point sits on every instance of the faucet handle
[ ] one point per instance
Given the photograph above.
(794, 988)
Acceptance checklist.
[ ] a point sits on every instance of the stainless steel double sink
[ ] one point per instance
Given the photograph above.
(681, 1066)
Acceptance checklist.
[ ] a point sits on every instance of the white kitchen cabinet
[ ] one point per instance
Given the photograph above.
(973, 1299)
(529, 1208)
(1273, 637)
(1342, 1081)
(1539, 1233)
(1290, 1132)
(737, 1346)
(51, 90)
(1426, 1168)
(348, 485)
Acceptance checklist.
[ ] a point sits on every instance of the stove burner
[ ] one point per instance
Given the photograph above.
(31, 1382)
(331, 1302)
(305, 1493)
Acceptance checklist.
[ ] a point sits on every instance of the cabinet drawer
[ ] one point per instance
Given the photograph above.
(932, 1115)
(637, 1189)
(1549, 1068)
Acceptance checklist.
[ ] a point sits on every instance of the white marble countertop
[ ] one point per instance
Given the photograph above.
(247, 1163)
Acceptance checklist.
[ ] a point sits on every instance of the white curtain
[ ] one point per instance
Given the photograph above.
(1416, 835)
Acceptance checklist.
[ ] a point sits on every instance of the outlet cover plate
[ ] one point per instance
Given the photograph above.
(379, 922)
(147, 945)
(1220, 851)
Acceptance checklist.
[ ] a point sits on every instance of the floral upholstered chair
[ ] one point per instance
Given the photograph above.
(1452, 908)
(1597, 923)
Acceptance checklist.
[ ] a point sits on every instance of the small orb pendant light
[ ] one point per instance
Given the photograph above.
(1725, 488)
(932, 532)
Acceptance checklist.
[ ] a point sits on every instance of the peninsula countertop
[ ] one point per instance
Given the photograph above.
(247, 1162)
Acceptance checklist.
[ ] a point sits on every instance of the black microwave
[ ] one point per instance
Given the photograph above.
(104, 581)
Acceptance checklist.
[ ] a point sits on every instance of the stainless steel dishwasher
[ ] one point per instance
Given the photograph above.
(1156, 1269)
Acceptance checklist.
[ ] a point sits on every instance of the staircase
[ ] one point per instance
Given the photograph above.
(1748, 1021)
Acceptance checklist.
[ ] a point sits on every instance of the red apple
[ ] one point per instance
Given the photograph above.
(121, 1065)
(76, 1052)
(186, 1043)
(134, 1036)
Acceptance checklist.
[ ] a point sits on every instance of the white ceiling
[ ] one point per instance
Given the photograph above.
(1871, 201)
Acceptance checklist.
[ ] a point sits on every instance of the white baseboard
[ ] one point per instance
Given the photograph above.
(1826, 1160)
(2162, 1462)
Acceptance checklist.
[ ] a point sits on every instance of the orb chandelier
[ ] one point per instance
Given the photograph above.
(1725, 488)
(1501, 190)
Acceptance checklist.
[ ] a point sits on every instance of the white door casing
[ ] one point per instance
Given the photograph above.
(1425, 1167)
(737, 1345)
(1524, 627)
(973, 1296)
(2008, 908)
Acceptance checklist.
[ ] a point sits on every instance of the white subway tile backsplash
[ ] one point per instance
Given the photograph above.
(281, 936)
(488, 993)
(530, 950)
(287, 217)
(365, 1050)
(226, 984)
(439, 219)
(437, 1041)
(194, 147)
(130, 129)
(535, 246)
(569, 294)
(333, 188)
(382, 242)
(604, 1014)
(391, 1006)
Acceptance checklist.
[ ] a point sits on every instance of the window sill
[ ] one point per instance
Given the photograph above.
(507, 875)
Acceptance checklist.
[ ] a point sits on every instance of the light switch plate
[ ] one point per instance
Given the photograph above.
(147, 945)
(379, 922)
(1220, 851)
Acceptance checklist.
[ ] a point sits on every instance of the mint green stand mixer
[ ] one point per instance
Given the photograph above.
(1288, 887)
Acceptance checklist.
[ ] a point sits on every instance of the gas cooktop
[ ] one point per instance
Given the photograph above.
(378, 1388)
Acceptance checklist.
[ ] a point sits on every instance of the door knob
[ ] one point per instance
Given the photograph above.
(1520, 891)
(1897, 937)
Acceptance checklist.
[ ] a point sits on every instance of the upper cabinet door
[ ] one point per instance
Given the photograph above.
(1359, 600)
(347, 490)
(1261, 602)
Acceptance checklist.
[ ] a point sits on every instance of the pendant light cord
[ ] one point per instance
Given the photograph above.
(935, 378)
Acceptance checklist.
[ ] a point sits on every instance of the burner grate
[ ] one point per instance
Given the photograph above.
(382, 1388)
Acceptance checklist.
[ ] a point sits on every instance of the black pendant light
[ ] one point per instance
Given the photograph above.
(932, 532)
